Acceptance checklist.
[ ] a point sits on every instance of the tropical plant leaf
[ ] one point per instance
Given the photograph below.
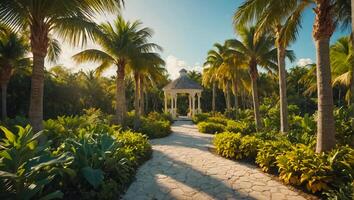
(54, 195)
(93, 176)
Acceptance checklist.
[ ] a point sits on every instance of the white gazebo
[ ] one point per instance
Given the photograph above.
(183, 85)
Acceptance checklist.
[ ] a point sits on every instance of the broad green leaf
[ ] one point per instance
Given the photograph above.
(4, 174)
(8, 134)
(93, 176)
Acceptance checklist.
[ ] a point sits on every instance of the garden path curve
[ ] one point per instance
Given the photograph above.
(182, 167)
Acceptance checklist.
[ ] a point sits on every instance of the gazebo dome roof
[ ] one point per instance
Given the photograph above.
(183, 82)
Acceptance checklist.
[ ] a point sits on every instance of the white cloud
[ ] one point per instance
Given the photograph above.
(304, 61)
(174, 65)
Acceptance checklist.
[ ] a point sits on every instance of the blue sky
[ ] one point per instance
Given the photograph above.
(187, 29)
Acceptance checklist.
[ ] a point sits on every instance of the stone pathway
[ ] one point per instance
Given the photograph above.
(183, 168)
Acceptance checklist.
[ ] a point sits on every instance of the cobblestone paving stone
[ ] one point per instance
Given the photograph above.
(183, 168)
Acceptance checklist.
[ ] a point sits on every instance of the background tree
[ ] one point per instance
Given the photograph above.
(342, 68)
(70, 19)
(281, 18)
(122, 43)
(255, 51)
(13, 49)
(141, 66)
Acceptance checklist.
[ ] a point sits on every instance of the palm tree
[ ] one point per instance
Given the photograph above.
(233, 69)
(69, 19)
(352, 87)
(149, 78)
(323, 29)
(255, 51)
(342, 68)
(13, 48)
(143, 65)
(284, 27)
(309, 80)
(210, 78)
(122, 43)
(215, 59)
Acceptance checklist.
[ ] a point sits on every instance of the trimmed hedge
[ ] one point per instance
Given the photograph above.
(200, 117)
(227, 144)
(268, 152)
(210, 127)
(240, 127)
(155, 125)
(234, 146)
(155, 129)
(218, 120)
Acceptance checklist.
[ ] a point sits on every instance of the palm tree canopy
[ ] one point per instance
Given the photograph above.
(70, 19)
(342, 63)
(13, 48)
(281, 17)
(260, 49)
(122, 41)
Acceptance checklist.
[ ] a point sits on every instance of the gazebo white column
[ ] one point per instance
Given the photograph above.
(193, 104)
(190, 104)
(171, 106)
(175, 110)
(199, 109)
(165, 94)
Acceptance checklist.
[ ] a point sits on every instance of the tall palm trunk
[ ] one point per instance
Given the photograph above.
(243, 100)
(3, 101)
(142, 97)
(120, 93)
(352, 83)
(284, 126)
(227, 95)
(39, 45)
(137, 101)
(254, 75)
(137, 94)
(214, 97)
(235, 93)
(322, 31)
(5, 76)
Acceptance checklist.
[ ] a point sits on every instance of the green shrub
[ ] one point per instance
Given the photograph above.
(27, 167)
(268, 151)
(343, 192)
(341, 160)
(249, 147)
(129, 120)
(11, 123)
(210, 127)
(155, 125)
(302, 129)
(104, 163)
(231, 113)
(344, 129)
(271, 119)
(136, 144)
(155, 116)
(234, 146)
(219, 120)
(200, 117)
(269, 135)
(240, 127)
(302, 165)
(155, 129)
(227, 145)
